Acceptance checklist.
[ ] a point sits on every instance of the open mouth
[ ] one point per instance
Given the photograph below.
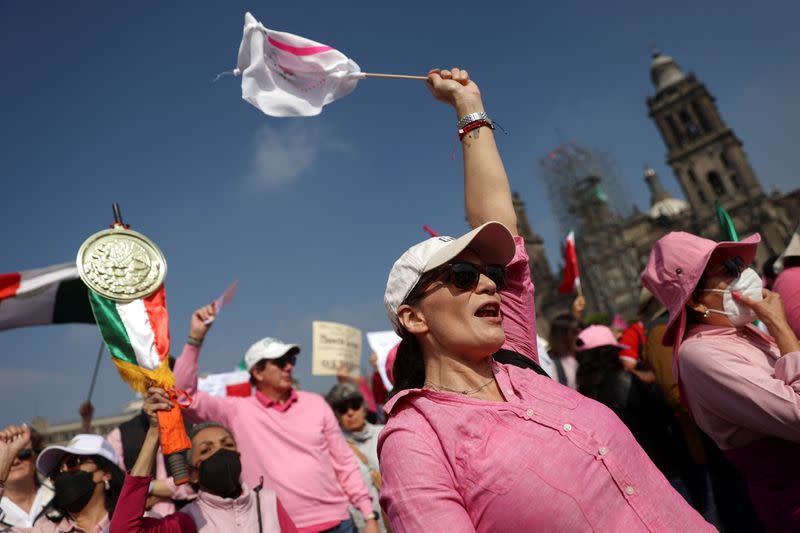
(490, 310)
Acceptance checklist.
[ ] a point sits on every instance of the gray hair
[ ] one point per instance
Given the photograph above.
(343, 392)
(197, 428)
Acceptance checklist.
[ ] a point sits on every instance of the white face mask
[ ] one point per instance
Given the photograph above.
(748, 284)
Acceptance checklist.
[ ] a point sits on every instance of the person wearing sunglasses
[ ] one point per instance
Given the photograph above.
(474, 443)
(85, 476)
(348, 404)
(25, 497)
(290, 438)
(742, 386)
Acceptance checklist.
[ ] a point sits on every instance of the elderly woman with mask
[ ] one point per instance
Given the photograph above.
(224, 502)
(85, 475)
(741, 385)
(349, 407)
(475, 444)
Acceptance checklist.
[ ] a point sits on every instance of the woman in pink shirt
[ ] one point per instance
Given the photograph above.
(223, 502)
(741, 385)
(473, 444)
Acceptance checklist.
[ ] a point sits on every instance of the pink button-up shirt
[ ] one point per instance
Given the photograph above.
(546, 459)
(738, 387)
(297, 446)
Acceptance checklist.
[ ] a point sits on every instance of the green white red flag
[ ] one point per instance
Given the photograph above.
(572, 277)
(137, 336)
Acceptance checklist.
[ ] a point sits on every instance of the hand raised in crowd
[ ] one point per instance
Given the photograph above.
(343, 374)
(452, 86)
(771, 312)
(578, 307)
(201, 322)
(156, 399)
(13, 439)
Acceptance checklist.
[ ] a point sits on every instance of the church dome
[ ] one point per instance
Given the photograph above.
(664, 71)
(668, 207)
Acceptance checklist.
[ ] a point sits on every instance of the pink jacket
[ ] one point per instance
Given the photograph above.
(298, 448)
(207, 514)
(546, 459)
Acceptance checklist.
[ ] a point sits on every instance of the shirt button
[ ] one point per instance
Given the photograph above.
(567, 427)
(603, 450)
(529, 412)
(629, 490)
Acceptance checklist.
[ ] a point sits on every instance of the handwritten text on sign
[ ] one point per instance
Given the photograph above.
(335, 344)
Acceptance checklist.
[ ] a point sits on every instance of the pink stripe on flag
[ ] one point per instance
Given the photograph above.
(299, 50)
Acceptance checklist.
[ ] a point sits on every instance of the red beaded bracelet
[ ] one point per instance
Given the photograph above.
(474, 125)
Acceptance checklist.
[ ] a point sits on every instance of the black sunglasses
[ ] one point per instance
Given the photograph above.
(282, 361)
(25, 454)
(465, 275)
(345, 405)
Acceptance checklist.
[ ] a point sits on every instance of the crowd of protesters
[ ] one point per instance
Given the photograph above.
(686, 420)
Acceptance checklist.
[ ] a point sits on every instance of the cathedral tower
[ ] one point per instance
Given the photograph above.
(704, 153)
(708, 160)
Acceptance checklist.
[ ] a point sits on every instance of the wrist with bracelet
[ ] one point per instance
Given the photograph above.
(472, 122)
(192, 341)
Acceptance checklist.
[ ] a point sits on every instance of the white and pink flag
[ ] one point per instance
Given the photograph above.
(286, 75)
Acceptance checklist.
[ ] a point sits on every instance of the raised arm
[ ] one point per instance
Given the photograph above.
(204, 407)
(128, 514)
(487, 194)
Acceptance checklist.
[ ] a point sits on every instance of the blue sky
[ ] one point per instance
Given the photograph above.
(107, 102)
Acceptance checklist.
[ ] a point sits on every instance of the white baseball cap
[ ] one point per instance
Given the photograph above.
(492, 241)
(267, 348)
(82, 444)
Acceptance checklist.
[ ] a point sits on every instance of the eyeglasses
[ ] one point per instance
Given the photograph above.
(282, 361)
(344, 406)
(25, 454)
(465, 275)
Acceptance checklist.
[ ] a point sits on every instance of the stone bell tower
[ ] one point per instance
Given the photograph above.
(707, 157)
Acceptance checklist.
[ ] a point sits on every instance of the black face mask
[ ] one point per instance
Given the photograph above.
(219, 474)
(73, 490)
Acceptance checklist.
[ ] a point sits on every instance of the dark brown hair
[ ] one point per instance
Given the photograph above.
(562, 328)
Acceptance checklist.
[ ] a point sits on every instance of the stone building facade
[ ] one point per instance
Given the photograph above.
(710, 164)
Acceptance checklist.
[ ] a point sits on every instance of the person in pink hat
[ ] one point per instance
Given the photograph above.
(742, 386)
(602, 376)
(479, 438)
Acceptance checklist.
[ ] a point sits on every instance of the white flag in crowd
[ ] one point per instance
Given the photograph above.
(286, 75)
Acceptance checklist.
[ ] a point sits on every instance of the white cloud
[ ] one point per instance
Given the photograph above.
(285, 151)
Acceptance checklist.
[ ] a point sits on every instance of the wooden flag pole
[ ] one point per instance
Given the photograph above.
(395, 76)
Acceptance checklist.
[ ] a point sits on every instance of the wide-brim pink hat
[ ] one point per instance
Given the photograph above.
(596, 336)
(676, 264)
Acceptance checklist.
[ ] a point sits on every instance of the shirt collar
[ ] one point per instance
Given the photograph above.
(710, 330)
(500, 374)
(280, 407)
(242, 501)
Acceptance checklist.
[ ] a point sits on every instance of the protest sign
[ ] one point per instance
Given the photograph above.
(335, 344)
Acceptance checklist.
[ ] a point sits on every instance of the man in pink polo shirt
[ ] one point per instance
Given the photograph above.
(290, 438)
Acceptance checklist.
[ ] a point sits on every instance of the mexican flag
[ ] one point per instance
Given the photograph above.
(49, 295)
(572, 276)
(137, 336)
